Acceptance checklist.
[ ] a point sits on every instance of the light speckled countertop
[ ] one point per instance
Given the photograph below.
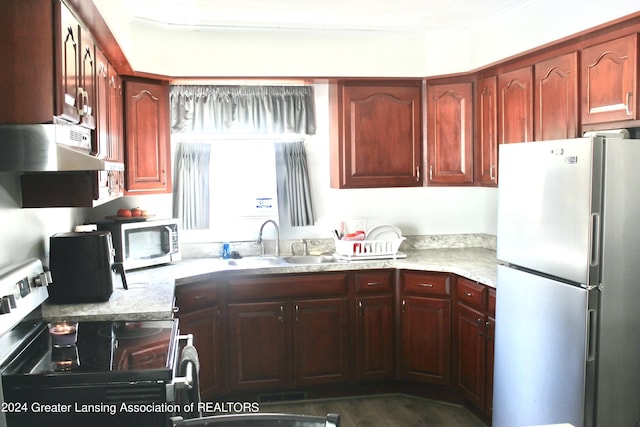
(151, 291)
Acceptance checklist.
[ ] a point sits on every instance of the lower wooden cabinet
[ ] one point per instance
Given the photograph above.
(320, 341)
(292, 331)
(374, 325)
(205, 325)
(273, 333)
(426, 327)
(426, 340)
(474, 326)
(201, 314)
(258, 354)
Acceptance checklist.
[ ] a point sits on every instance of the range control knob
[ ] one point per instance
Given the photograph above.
(44, 279)
(5, 304)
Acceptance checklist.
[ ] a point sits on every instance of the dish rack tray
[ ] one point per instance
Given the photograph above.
(368, 248)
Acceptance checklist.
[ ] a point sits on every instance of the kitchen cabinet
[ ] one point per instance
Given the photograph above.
(200, 314)
(146, 130)
(320, 341)
(374, 325)
(556, 98)
(108, 142)
(287, 331)
(86, 99)
(376, 133)
(450, 133)
(426, 327)
(515, 105)
(486, 142)
(474, 326)
(258, 353)
(42, 71)
(609, 81)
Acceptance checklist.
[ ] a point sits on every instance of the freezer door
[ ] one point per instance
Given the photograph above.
(544, 351)
(549, 207)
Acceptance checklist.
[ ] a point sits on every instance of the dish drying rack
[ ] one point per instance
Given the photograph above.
(369, 249)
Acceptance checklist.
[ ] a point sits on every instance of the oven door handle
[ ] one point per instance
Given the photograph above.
(185, 382)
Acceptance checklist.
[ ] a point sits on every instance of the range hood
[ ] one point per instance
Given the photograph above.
(56, 147)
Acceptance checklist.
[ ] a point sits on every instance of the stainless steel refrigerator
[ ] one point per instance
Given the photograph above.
(567, 340)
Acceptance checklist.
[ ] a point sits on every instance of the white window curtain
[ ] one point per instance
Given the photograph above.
(294, 187)
(274, 110)
(191, 185)
(241, 109)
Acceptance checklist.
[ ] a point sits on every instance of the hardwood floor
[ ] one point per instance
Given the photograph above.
(388, 410)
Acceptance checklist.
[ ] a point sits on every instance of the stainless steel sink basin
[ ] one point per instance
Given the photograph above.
(309, 259)
(256, 261)
(273, 261)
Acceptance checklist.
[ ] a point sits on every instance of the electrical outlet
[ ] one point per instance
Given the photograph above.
(354, 225)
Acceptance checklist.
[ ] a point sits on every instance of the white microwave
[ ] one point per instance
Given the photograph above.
(144, 243)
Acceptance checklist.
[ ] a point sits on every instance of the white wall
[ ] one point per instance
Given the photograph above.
(316, 53)
(25, 232)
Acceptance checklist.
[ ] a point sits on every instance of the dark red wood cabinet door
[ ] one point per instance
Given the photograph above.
(515, 106)
(450, 133)
(609, 75)
(556, 98)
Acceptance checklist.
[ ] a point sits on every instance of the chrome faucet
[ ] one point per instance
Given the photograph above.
(261, 243)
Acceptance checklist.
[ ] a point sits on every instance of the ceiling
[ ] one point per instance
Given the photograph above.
(416, 16)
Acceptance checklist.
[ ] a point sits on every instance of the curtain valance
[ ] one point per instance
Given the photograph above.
(242, 109)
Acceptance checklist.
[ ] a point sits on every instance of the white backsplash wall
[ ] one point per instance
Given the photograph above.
(25, 232)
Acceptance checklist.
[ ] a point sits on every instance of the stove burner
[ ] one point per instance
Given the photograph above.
(97, 360)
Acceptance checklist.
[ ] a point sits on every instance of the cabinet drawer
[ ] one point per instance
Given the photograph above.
(426, 283)
(287, 286)
(196, 295)
(374, 282)
(471, 293)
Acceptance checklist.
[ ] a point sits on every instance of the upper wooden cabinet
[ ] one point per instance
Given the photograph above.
(376, 134)
(609, 87)
(450, 133)
(515, 106)
(556, 98)
(486, 142)
(42, 63)
(147, 149)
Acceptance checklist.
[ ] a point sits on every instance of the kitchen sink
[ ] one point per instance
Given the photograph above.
(309, 259)
(273, 261)
(257, 261)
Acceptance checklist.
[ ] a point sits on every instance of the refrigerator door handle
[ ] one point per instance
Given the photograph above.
(595, 239)
(592, 335)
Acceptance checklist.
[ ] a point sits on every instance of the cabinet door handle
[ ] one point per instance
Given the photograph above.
(297, 313)
(627, 105)
(281, 317)
(430, 172)
(492, 177)
(479, 322)
(487, 326)
(468, 294)
(425, 285)
(418, 173)
(375, 283)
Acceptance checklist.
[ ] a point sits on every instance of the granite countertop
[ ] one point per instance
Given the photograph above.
(151, 291)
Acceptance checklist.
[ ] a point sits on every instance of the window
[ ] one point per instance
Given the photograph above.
(243, 189)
